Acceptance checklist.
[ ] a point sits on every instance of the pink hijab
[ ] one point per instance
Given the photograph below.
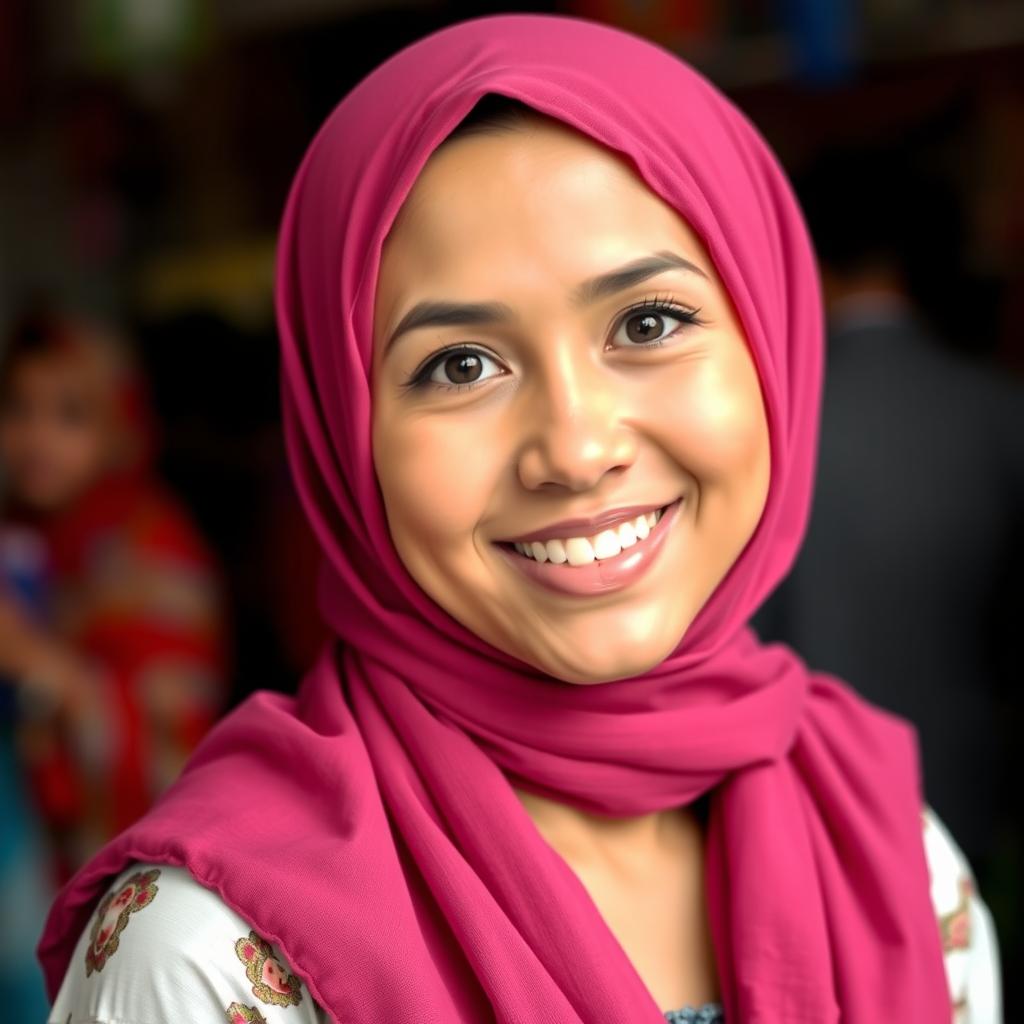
(367, 825)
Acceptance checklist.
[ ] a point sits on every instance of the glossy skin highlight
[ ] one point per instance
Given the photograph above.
(563, 412)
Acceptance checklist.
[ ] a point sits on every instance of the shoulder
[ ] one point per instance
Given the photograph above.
(162, 522)
(161, 948)
(968, 934)
(144, 518)
(153, 564)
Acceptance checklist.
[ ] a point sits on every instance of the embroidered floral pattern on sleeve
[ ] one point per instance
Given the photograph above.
(271, 982)
(236, 1013)
(948, 867)
(956, 925)
(112, 917)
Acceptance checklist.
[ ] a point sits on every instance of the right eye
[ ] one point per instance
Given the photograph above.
(457, 368)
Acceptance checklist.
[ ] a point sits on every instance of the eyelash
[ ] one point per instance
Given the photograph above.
(656, 304)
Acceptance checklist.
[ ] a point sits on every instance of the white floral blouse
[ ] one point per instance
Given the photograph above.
(162, 949)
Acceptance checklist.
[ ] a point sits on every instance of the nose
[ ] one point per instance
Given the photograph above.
(577, 427)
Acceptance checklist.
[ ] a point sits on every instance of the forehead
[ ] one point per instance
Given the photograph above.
(76, 371)
(545, 190)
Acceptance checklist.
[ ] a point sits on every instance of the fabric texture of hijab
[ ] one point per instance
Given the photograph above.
(367, 824)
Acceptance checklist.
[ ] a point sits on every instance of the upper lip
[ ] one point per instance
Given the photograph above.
(585, 527)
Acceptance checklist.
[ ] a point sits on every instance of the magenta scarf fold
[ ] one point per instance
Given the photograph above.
(367, 825)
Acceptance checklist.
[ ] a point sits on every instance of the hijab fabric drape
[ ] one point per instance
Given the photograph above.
(367, 825)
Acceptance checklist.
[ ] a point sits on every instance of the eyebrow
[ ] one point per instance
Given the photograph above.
(435, 313)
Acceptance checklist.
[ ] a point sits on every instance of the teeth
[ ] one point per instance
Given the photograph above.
(583, 550)
(606, 544)
(556, 552)
(579, 550)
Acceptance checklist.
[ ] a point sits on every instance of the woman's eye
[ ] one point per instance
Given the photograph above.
(456, 368)
(645, 325)
(650, 323)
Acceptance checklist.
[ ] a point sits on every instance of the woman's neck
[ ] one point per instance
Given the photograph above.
(625, 844)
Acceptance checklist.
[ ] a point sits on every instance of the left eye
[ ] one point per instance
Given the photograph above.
(459, 367)
(647, 325)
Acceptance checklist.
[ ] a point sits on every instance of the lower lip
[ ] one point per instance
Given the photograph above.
(603, 575)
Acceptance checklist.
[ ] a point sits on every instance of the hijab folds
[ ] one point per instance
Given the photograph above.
(366, 825)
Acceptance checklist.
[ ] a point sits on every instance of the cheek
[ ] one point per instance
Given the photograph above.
(718, 429)
(437, 474)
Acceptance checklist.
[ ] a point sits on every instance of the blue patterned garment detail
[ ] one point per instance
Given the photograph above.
(707, 1013)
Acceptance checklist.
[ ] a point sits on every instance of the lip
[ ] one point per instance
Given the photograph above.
(603, 575)
(584, 527)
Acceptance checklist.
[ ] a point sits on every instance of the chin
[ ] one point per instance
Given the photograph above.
(579, 653)
(606, 669)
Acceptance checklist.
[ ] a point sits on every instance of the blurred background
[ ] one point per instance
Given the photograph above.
(154, 564)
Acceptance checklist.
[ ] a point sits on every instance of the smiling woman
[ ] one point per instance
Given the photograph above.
(552, 345)
(537, 380)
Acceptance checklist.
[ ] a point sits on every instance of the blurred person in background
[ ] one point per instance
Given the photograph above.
(908, 583)
(130, 671)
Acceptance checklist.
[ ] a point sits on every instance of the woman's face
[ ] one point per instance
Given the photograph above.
(56, 429)
(559, 400)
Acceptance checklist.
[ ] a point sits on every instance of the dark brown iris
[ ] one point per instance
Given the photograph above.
(463, 368)
(651, 327)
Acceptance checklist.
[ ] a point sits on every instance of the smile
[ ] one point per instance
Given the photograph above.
(584, 550)
(607, 561)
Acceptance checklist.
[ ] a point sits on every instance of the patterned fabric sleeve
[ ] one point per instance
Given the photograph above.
(965, 923)
(162, 949)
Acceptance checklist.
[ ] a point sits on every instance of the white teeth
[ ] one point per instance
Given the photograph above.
(579, 550)
(606, 544)
(582, 550)
(557, 552)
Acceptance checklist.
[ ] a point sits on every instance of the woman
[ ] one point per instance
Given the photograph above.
(116, 691)
(532, 779)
